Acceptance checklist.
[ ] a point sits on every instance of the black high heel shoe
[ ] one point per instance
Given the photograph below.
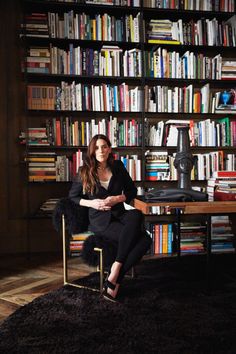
(110, 285)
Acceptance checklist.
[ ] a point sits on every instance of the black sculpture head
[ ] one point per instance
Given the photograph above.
(184, 158)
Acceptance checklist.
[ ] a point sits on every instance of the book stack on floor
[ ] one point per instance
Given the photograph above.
(192, 236)
(77, 241)
(48, 206)
(222, 237)
(222, 186)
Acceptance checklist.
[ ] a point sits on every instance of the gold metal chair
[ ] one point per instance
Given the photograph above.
(100, 267)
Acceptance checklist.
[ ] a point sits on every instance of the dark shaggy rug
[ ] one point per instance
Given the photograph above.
(166, 309)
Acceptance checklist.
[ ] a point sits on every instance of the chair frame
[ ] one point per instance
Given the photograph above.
(100, 267)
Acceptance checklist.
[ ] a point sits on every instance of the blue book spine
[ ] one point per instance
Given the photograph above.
(161, 238)
(71, 49)
(169, 239)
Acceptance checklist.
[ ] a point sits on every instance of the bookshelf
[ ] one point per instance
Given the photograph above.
(94, 67)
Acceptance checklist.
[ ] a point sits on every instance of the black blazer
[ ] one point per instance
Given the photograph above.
(120, 182)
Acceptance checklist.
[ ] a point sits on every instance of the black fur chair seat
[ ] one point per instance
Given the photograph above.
(76, 220)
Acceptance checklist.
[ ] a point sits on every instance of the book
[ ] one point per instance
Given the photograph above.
(225, 174)
(224, 195)
(163, 41)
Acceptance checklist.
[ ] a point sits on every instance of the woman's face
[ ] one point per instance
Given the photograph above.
(102, 151)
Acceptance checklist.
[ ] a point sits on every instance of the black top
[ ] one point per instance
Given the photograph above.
(120, 182)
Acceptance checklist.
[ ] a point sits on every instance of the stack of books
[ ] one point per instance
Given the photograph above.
(36, 25)
(38, 60)
(157, 166)
(192, 236)
(222, 237)
(228, 71)
(222, 186)
(48, 206)
(77, 242)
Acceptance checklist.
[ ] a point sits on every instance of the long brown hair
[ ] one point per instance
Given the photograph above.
(88, 172)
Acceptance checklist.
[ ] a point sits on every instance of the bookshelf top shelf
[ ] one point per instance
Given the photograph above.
(149, 11)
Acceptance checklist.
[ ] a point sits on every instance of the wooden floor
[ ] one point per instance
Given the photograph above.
(22, 279)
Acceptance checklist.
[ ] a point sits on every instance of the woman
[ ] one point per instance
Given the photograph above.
(102, 185)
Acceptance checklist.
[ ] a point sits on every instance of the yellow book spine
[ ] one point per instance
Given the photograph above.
(131, 25)
(107, 57)
(165, 238)
(82, 133)
(162, 41)
(41, 178)
(94, 29)
(40, 159)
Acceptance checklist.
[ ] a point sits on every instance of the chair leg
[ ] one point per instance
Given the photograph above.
(100, 267)
(65, 269)
(132, 272)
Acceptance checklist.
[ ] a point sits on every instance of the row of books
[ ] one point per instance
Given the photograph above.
(202, 5)
(161, 63)
(204, 31)
(82, 26)
(48, 166)
(128, 28)
(187, 99)
(162, 237)
(109, 61)
(196, 5)
(192, 234)
(159, 165)
(134, 3)
(114, 61)
(65, 131)
(192, 237)
(98, 27)
(126, 98)
(81, 97)
(217, 133)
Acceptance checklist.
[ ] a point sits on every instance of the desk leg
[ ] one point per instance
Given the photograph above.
(208, 245)
(178, 233)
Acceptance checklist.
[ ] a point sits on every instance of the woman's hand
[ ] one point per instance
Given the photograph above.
(100, 204)
(113, 200)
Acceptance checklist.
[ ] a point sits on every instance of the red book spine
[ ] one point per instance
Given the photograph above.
(58, 133)
(225, 174)
(218, 196)
(157, 238)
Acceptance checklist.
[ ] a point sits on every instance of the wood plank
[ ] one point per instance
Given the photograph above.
(24, 280)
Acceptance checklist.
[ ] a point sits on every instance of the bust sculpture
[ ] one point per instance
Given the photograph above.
(184, 158)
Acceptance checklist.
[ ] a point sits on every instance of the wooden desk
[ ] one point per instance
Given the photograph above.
(191, 208)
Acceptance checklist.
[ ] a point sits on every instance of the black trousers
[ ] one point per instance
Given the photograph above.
(132, 241)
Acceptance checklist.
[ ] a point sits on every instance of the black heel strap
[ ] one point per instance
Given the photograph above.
(110, 285)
